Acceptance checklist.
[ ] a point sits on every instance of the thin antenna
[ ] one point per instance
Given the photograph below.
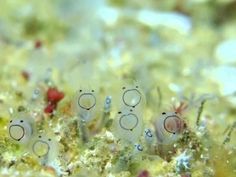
(200, 112)
(159, 96)
(227, 139)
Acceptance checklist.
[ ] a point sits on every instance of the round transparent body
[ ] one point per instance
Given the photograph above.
(132, 97)
(21, 128)
(85, 104)
(44, 147)
(128, 125)
(168, 127)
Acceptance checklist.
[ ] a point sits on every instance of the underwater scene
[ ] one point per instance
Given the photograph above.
(115, 88)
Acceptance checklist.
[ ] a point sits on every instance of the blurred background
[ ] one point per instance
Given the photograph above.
(184, 42)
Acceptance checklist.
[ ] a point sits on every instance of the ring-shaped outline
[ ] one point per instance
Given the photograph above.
(123, 97)
(21, 128)
(41, 142)
(165, 123)
(83, 94)
(130, 129)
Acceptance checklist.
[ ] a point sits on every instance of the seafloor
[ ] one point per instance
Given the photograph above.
(118, 88)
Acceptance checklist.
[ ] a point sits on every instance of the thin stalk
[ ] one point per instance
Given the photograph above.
(200, 110)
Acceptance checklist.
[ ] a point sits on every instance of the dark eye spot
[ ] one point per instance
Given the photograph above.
(119, 112)
(136, 86)
(21, 121)
(131, 110)
(49, 139)
(123, 88)
(175, 112)
(163, 113)
(40, 136)
(80, 90)
(92, 90)
(10, 121)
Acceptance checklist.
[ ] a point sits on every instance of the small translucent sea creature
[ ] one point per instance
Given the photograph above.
(106, 112)
(128, 125)
(37, 97)
(148, 135)
(36, 93)
(107, 104)
(21, 128)
(47, 78)
(132, 96)
(41, 147)
(138, 147)
(44, 147)
(85, 104)
(137, 152)
(168, 127)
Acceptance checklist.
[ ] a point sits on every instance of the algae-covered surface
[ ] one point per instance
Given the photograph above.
(118, 88)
